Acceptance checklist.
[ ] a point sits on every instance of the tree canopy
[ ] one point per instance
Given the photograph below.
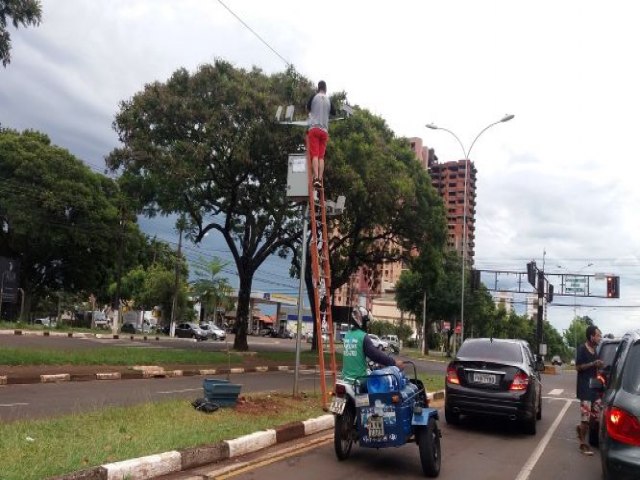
(391, 207)
(207, 145)
(61, 220)
(20, 13)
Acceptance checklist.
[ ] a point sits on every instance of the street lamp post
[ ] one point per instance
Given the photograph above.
(466, 154)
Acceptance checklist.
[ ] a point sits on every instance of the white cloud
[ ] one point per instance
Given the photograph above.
(561, 177)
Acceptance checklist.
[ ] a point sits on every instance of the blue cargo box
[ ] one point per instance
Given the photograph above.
(221, 391)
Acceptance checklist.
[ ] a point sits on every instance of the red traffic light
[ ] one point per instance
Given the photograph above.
(613, 286)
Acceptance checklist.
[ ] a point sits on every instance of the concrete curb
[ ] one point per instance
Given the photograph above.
(174, 461)
(139, 372)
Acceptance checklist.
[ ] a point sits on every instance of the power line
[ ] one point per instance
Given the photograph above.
(255, 33)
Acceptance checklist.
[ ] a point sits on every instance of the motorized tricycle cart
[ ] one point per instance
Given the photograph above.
(386, 409)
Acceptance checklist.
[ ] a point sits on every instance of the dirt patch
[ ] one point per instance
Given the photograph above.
(262, 405)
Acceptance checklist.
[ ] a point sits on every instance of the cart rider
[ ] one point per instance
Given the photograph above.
(358, 347)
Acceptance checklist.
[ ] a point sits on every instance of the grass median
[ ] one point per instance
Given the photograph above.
(36, 449)
(131, 356)
(39, 449)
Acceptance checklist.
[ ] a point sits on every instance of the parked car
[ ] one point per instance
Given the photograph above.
(619, 433)
(378, 343)
(190, 330)
(267, 332)
(130, 327)
(45, 322)
(325, 338)
(100, 320)
(393, 342)
(213, 331)
(606, 352)
(556, 360)
(494, 377)
(286, 334)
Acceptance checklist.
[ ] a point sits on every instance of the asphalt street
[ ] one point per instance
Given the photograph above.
(476, 449)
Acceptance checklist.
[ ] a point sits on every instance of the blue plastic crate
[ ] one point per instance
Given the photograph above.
(221, 392)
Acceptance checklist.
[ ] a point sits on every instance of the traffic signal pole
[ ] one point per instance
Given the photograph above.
(540, 350)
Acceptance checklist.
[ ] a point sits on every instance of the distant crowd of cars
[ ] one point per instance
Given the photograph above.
(203, 331)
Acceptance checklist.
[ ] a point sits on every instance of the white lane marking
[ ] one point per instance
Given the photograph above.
(13, 404)
(180, 391)
(556, 391)
(564, 399)
(537, 453)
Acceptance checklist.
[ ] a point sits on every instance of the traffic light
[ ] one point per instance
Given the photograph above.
(475, 279)
(531, 273)
(613, 286)
(550, 294)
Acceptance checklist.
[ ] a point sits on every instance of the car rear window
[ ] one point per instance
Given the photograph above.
(492, 351)
(631, 374)
(607, 352)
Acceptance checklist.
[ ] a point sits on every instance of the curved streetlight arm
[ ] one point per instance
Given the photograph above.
(478, 136)
(506, 118)
(464, 153)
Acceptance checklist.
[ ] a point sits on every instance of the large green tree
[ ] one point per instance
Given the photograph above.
(206, 144)
(391, 208)
(61, 220)
(18, 12)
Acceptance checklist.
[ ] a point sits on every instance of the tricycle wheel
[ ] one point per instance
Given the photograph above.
(343, 433)
(429, 445)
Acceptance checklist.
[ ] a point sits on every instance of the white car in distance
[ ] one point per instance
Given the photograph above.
(378, 343)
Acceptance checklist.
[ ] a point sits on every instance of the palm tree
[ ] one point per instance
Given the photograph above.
(212, 289)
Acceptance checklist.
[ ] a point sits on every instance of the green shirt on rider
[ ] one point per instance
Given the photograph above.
(354, 362)
(357, 348)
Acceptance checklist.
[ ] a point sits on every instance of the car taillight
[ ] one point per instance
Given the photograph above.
(452, 375)
(520, 382)
(622, 426)
(340, 390)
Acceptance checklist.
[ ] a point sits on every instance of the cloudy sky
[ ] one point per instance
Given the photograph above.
(560, 178)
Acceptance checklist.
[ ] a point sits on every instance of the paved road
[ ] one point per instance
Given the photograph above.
(478, 450)
(257, 344)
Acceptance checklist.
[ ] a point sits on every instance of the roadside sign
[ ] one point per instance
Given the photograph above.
(575, 284)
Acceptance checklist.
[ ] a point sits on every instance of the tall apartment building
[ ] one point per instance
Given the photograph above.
(448, 179)
(376, 290)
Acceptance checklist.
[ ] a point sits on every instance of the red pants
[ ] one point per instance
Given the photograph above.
(317, 139)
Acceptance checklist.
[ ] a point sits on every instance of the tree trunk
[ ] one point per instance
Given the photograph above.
(242, 314)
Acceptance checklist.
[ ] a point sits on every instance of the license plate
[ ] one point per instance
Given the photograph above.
(375, 426)
(337, 405)
(484, 378)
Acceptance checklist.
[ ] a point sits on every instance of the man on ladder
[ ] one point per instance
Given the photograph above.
(319, 107)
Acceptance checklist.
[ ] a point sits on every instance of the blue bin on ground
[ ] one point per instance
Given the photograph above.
(221, 392)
